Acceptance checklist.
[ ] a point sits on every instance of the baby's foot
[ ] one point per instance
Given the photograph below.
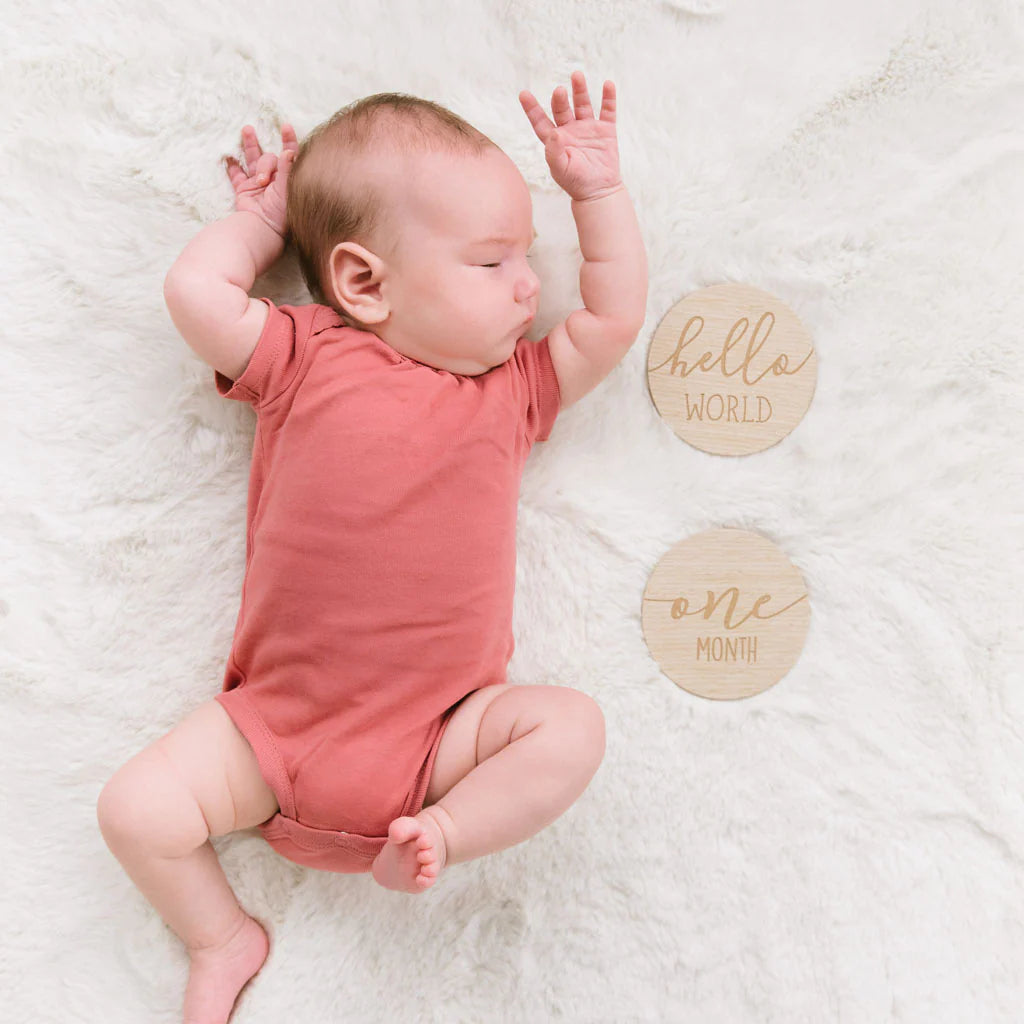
(217, 975)
(414, 855)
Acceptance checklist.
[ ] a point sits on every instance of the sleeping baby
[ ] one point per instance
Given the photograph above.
(365, 723)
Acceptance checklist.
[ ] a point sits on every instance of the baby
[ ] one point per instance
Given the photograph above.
(364, 723)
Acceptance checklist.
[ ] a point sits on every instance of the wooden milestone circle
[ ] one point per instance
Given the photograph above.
(731, 369)
(725, 614)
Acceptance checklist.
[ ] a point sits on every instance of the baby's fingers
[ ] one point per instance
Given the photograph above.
(285, 161)
(251, 149)
(242, 182)
(284, 166)
(289, 139)
(542, 124)
(237, 176)
(263, 168)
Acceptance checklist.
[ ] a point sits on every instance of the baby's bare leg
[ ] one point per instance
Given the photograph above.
(512, 760)
(157, 814)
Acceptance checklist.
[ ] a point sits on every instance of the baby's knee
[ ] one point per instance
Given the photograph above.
(144, 803)
(582, 725)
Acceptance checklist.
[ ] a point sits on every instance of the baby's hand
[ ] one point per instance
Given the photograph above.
(264, 188)
(582, 152)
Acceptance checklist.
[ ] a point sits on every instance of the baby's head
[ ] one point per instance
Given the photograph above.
(412, 224)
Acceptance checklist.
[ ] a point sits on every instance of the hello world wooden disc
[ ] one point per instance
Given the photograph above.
(725, 614)
(731, 369)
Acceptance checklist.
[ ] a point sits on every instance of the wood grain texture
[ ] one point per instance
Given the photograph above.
(725, 614)
(731, 369)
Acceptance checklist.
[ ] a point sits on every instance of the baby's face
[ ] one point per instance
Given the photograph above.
(460, 290)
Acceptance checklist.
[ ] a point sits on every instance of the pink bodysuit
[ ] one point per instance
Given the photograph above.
(380, 568)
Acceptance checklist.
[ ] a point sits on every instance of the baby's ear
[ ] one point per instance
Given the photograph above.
(348, 284)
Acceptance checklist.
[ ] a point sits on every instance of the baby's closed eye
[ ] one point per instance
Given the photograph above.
(529, 256)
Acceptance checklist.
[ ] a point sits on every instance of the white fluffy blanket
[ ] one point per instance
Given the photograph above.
(847, 846)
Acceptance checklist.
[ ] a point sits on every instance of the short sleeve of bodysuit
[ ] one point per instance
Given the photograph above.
(284, 345)
(533, 367)
(276, 358)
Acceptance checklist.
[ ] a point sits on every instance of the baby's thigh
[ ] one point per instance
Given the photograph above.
(221, 769)
(209, 759)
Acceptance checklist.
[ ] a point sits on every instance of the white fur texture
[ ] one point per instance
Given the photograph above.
(848, 846)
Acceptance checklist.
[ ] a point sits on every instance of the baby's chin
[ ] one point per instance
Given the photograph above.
(500, 353)
(503, 348)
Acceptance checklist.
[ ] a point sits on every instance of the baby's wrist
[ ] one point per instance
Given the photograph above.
(264, 242)
(600, 193)
(273, 227)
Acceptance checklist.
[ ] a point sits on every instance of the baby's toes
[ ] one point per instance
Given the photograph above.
(401, 830)
(428, 872)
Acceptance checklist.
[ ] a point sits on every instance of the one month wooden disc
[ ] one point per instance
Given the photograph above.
(731, 369)
(725, 614)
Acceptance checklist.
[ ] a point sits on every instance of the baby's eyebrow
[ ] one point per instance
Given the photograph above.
(499, 239)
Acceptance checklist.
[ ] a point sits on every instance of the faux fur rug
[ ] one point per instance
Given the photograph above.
(847, 846)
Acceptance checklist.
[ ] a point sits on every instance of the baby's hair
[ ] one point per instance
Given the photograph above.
(332, 199)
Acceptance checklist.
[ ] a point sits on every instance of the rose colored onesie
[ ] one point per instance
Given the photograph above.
(380, 568)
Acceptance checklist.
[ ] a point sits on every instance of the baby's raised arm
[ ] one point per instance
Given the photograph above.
(582, 154)
(207, 287)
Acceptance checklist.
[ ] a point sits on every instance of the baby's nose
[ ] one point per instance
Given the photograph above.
(530, 286)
